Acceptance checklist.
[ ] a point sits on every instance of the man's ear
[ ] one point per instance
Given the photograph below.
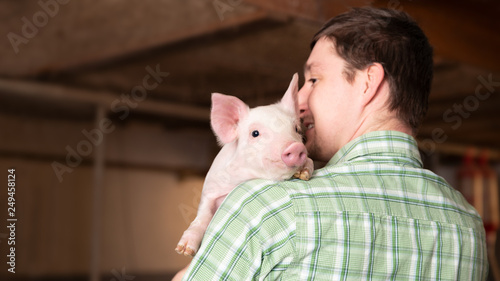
(373, 77)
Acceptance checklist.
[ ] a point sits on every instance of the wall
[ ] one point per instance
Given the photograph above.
(150, 192)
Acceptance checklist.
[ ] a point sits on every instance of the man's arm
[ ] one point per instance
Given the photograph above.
(254, 218)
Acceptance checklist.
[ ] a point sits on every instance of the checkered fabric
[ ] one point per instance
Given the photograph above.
(372, 213)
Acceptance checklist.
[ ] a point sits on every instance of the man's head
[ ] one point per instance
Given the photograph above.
(381, 48)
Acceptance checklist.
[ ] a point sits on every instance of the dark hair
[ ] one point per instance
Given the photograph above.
(363, 36)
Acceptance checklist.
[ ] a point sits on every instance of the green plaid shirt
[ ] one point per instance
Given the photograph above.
(372, 213)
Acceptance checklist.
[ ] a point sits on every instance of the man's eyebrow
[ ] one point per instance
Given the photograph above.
(309, 66)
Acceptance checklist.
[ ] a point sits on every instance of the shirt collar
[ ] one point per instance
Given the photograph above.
(375, 146)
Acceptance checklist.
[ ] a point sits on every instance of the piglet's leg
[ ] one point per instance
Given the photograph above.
(306, 171)
(191, 239)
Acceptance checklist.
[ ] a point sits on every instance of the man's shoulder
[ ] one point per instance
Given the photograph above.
(266, 189)
(257, 195)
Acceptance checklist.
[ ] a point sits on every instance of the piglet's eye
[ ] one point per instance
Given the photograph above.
(255, 133)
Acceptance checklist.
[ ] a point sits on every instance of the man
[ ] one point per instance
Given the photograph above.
(372, 212)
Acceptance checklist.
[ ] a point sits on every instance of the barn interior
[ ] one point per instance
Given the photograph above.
(104, 117)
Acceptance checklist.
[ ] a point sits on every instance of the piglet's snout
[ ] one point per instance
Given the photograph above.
(295, 155)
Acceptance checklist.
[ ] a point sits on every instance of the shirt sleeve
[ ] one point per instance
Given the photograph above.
(249, 235)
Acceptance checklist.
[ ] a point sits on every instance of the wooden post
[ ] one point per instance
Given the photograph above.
(95, 255)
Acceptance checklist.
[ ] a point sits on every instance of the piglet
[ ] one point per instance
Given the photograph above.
(263, 142)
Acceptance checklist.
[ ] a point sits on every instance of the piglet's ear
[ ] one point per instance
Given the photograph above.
(226, 112)
(290, 99)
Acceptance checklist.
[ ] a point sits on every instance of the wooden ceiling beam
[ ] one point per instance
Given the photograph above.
(85, 32)
(119, 104)
(455, 149)
(476, 131)
(317, 10)
(488, 139)
(467, 126)
(464, 31)
(468, 107)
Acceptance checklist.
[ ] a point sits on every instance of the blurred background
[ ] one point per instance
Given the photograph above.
(104, 117)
